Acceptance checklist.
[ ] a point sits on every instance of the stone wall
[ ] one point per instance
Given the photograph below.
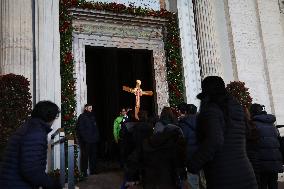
(248, 49)
(273, 44)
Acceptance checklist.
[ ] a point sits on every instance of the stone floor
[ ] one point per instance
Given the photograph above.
(113, 180)
(280, 185)
(111, 176)
(106, 180)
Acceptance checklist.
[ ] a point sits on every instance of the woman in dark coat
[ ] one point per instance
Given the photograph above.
(221, 134)
(252, 145)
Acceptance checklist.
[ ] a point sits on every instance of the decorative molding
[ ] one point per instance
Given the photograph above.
(118, 18)
(150, 4)
(115, 30)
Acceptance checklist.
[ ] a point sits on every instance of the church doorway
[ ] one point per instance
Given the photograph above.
(107, 70)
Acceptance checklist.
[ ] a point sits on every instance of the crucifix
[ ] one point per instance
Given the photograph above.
(137, 91)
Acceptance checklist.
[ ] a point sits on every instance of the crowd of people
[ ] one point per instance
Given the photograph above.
(221, 146)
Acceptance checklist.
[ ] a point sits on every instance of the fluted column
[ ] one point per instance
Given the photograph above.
(207, 42)
(192, 79)
(16, 45)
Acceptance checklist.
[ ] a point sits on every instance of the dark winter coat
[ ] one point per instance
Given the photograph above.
(24, 163)
(87, 130)
(188, 127)
(222, 151)
(252, 148)
(269, 154)
(127, 143)
(160, 160)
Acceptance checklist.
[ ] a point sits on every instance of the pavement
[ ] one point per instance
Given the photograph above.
(113, 180)
(105, 180)
(280, 185)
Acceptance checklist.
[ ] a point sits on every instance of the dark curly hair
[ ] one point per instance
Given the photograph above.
(45, 110)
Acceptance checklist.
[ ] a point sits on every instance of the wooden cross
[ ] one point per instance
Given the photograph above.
(137, 91)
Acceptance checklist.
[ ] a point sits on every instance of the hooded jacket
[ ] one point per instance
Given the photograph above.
(269, 154)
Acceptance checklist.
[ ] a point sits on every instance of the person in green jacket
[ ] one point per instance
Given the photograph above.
(117, 124)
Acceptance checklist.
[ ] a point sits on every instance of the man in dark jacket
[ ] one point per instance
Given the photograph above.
(187, 123)
(221, 134)
(88, 136)
(269, 154)
(24, 163)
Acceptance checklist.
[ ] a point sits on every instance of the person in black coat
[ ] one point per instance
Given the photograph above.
(127, 143)
(187, 123)
(161, 157)
(88, 136)
(269, 154)
(136, 133)
(24, 162)
(252, 145)
(221, 134)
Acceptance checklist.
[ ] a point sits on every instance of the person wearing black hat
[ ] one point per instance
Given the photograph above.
(270, 158)
(221, 135)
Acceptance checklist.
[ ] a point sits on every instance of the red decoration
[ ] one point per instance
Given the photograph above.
(65, 26)
(238, 90)
(68, 58)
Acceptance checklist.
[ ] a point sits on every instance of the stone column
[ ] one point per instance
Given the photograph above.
(206, 36)
(189, 50)
(47, 38)
(16, 44)
(48, 86)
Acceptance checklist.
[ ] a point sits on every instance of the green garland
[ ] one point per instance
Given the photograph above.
(172, 48)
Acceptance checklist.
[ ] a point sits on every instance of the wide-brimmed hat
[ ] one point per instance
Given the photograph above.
(212, 85)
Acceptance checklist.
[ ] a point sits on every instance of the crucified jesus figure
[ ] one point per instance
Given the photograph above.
(137, 91)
